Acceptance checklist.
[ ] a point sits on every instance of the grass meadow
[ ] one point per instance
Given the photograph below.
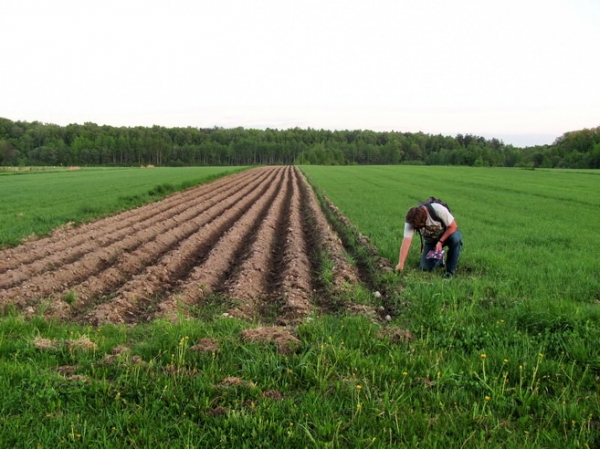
(503, 355)
(35, 202)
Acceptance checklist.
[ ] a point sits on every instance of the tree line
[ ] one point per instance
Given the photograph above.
(89, 144)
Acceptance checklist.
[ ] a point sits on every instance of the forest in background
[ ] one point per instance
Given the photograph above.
(44, 144)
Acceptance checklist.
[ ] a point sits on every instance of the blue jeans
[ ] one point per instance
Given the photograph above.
(454, 244)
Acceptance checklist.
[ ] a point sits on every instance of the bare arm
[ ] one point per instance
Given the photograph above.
(449, 231)
(406, 241)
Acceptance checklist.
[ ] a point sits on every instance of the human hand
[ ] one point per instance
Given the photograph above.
(400, 267)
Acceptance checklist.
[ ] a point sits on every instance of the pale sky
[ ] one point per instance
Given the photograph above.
(523, 71)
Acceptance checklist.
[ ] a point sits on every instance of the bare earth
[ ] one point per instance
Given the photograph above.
(250, 237)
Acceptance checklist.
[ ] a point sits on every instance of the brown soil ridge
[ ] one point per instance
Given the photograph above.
(173, 266)
(295, 280)
(344, 273)
(123, 257)
(71, 242)
(250, 237)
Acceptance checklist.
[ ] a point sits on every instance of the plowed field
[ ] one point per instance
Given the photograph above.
(251, 238)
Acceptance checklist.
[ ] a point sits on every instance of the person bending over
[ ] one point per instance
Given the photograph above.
(439, 230)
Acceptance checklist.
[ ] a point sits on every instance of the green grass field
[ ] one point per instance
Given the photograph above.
(35, 202)
(503, 355)
(530, 233)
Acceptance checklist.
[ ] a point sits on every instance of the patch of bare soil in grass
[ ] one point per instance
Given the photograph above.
(281, 337)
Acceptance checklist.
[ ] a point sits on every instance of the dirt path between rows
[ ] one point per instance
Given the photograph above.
(254, 238)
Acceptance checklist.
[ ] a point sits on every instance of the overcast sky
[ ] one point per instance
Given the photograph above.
(523, 71)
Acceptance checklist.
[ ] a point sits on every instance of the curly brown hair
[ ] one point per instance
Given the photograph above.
(416, 217)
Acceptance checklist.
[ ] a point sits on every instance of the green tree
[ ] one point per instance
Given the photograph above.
(8, 154)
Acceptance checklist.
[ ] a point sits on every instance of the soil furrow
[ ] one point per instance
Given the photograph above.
(154, 279)
(295, 288)
(248, 285)
(116, 241)
(134, 263)
(205, 277)
(344, 274)
(224, 256)
(67, 244)
(131, 254)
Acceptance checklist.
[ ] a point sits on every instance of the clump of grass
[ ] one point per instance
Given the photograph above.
(162, 190)
(70, 297)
